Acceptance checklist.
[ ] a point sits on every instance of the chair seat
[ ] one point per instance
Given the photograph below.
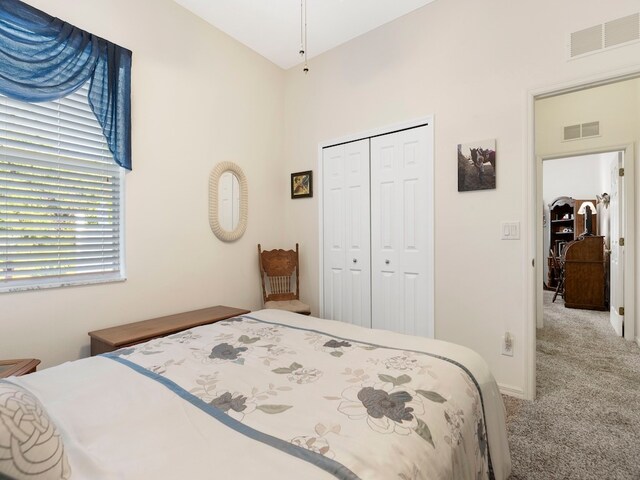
(295, 306)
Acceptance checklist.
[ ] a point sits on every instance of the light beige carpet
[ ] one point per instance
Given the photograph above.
(585, 422)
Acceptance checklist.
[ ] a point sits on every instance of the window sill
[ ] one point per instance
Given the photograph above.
(60, 284)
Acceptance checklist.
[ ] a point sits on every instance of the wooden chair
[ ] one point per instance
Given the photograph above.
(558, 273)
(279, 267)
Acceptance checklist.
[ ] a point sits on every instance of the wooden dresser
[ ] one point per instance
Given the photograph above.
(114, 338)
(585, 274)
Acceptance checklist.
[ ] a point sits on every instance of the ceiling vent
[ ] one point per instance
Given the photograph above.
(584, 130)
(622, 31)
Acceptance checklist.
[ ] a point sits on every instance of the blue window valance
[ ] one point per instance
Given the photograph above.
(43, 58)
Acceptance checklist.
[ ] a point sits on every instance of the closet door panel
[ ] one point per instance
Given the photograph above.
(333, 242)
(384, 228)
(358, 241)
(401, 234)
(383, 307)
(333, 293)
(410, 288)
(347, 274)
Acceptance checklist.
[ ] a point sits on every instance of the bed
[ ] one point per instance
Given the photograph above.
(269, 395)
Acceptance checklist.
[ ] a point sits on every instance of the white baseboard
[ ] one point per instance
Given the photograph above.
(511, 391)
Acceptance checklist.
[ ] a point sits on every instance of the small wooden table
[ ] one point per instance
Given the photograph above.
(114, 338)
(11, 368)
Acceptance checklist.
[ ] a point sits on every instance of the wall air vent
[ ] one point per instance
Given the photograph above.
(622, 31)
(591, 129)
(572, 132)
(584, 130)
(586, 41)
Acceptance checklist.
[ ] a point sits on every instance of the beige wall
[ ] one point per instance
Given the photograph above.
(471, 64)
(199, 98)
(615, 106)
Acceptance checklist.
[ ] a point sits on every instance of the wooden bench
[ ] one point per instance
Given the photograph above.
(11, 368)
(114, 338)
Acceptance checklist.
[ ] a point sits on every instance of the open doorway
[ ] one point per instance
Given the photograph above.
(588, 119)
(581, 231)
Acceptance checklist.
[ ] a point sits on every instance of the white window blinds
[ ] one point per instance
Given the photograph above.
(60, 195)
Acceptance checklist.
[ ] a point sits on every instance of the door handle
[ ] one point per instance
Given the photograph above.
(355, 260)
(387, 262)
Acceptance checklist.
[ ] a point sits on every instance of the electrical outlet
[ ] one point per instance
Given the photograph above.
(507, 345)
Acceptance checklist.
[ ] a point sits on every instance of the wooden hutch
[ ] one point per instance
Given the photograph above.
(565, 225)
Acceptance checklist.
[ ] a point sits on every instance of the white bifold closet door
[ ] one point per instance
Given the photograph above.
(378, 231)
(402, 232)
(346, 270)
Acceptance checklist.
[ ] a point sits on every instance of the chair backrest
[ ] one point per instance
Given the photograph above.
(279, 267)
(556, 263)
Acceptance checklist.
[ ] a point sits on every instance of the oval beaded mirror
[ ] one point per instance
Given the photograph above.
(228, 201)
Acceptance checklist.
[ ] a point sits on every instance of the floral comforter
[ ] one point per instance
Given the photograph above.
(352, 408)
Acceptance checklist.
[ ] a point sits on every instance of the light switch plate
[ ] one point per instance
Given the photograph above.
(510, 230)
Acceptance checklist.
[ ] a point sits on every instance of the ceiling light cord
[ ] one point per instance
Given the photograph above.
(301, 52)
(303, 34)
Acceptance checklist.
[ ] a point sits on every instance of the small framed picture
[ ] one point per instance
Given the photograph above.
(477, 165)
(302, 184)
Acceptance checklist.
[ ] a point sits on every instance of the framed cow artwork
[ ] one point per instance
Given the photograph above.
(477, 165)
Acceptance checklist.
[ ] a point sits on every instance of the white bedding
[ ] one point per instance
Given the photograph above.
(120, 424)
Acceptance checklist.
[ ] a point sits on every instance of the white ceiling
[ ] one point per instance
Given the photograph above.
(272, 27)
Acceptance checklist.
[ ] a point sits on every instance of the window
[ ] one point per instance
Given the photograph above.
(60, 196)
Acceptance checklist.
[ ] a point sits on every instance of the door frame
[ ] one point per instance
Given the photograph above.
(621, 204)
(430, 209)
(628, 199)
(532, 191)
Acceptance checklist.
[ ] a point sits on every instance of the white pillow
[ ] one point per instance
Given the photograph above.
(30, 444)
